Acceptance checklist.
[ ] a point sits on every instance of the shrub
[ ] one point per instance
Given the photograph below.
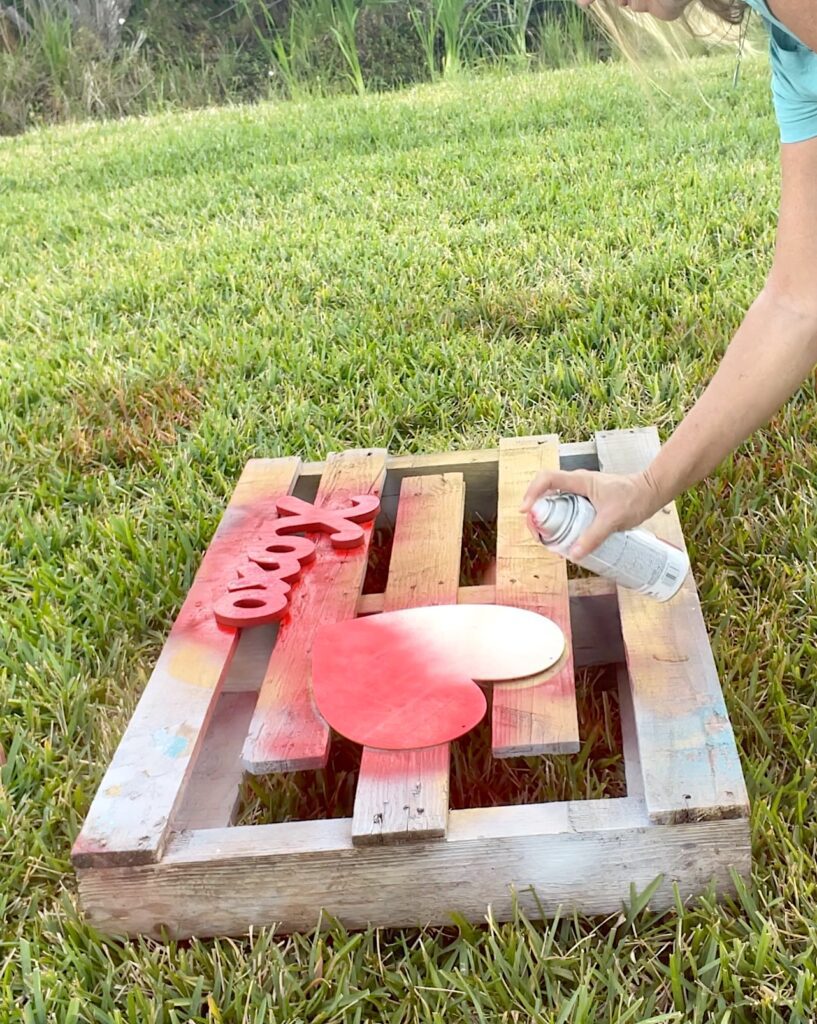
(67, 59)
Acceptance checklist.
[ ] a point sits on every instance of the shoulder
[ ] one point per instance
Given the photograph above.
(794, 65)
(794, 86)
(798, 17)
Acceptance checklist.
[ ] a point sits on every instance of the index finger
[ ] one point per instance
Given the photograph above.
(551, 480)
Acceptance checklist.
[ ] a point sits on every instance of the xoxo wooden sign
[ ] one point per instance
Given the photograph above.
(260, 591)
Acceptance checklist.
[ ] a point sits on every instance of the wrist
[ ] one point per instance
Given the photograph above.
(657, 492)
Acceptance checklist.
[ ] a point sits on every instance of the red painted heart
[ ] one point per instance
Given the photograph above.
(404, 680)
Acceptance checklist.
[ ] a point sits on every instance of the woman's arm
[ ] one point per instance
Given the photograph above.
(664, 10)
(799, 16)
(773, 351)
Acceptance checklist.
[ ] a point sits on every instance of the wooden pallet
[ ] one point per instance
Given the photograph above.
(158, 853)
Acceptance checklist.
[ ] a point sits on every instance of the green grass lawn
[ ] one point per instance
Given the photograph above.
(427, 270)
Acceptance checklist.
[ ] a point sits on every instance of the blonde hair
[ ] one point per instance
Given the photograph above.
(730, 11)
(705, 22)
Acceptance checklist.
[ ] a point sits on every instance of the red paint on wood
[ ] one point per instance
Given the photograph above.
(260, 593)
(85, 847)
(252, 576)
(253, 605)
(342, 525)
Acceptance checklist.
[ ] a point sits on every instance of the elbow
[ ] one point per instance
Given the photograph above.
(796, 307)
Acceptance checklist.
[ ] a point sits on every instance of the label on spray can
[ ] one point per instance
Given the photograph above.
(635, 559)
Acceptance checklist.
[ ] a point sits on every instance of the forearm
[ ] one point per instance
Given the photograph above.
(770, 356)
(664, 10)
(773, 351)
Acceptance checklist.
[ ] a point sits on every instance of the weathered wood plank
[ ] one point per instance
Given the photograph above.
(252, 654)
(372, 604)
(128, 819)
(211, 797)
(286, 732)
(538, 716)
(629, 737)
(479, 469)
(581, 856)
(485, 593)
(689, 762)
(403, 795)
(473, 464)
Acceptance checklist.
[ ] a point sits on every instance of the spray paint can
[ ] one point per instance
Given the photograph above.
(635, 559)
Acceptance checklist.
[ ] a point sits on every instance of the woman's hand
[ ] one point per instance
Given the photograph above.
(664, 10)
(621, 502)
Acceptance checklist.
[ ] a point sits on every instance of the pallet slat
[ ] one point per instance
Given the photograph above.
(252, 655)
(479, 469)
(211, 797)
(586, 856)
(629, 737)
(286, 732)
(537, 717)
(690, 765)
(403, 795)
(129, 818)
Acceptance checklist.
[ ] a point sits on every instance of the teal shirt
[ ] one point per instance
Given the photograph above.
(794, 79)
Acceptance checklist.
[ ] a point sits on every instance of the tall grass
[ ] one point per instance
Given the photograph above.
(60, 67)
(454, 33)
(459, 22)
(58, 63)
(71, 62)
(517, 15)
(104, 18)
(62, 74)
(288, 47)
(344, 31)
(566, 38)
(426, 25)
(295, 49)
(51, 30)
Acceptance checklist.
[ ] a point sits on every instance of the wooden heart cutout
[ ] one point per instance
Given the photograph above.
(405, 680)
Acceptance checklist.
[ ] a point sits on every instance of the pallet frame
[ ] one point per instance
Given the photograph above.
(158, 854)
